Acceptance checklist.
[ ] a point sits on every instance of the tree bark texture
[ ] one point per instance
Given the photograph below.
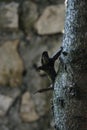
(70, 87)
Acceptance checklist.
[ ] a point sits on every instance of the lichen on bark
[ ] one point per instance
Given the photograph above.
(70, 91)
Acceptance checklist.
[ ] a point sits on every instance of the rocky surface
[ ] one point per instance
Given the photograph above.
(28, 112)
(51, 21)
(11, 64)
(9, 16)
(21, 46)
(5, 103)
(27, 16)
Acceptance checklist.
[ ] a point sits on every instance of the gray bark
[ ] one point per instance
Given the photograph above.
(70, 87)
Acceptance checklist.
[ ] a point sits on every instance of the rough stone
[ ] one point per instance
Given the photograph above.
(27, 110)
(9, 16)
(51, 21)
(11, 64)
(3, 127)
(5, 103)
(27, 15)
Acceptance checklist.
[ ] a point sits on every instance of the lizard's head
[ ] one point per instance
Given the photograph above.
(45, 58)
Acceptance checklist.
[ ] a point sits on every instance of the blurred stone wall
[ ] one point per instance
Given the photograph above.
(27, 28)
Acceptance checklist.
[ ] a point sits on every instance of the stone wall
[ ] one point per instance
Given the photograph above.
(27, 28)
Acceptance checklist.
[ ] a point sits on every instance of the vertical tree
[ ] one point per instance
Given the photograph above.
(70, 87)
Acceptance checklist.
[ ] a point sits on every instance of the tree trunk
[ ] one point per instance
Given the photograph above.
(70, 87)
